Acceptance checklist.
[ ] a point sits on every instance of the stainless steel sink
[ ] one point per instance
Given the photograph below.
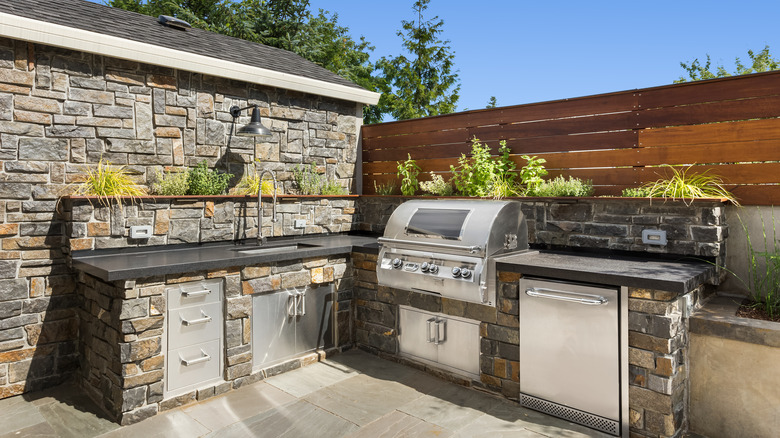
(274, 248)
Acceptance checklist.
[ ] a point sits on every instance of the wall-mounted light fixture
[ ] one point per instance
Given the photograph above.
(254, 128)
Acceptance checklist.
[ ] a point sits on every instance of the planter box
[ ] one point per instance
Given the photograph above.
(733, 372)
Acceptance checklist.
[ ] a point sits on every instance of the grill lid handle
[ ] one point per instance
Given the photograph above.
(472, 249)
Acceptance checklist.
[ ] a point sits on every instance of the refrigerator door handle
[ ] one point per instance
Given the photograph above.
(572, 297)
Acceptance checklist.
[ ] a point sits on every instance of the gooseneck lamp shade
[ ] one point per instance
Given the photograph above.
(254, 128)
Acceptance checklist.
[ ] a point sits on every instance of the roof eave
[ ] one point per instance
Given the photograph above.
(21, 28)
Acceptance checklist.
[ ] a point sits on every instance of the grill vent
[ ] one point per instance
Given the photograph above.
(573, 415)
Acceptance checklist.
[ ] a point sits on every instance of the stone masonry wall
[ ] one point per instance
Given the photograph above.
(698, 229)
(121, 347)
(61, 111)
(91, 225)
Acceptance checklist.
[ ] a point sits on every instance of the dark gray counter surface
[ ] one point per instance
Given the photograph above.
(672, 276)
(140, 262)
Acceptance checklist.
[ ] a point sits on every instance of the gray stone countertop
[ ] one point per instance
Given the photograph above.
(141, 262)
(673, 276)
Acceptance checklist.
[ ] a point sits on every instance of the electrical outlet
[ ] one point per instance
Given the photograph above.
(654, 237)
(300, 223)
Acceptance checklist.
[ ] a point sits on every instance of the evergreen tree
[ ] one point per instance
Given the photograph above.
(425, 84)
(492, 102)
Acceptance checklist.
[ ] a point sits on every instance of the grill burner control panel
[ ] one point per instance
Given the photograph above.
(431, 268)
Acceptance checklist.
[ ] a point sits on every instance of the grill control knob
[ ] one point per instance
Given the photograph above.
(465, 273)
(433, 269)
(397, 263)
(424, 267)
(455, 271)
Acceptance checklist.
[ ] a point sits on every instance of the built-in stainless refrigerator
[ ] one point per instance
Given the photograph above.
(573, 354)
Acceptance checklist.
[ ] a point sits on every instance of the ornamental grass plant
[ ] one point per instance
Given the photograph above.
(109, 182)
(687, 186)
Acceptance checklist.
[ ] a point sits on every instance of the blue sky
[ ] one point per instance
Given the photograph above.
(532, 51)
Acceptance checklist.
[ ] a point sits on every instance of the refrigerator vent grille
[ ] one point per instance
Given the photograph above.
(573, 415)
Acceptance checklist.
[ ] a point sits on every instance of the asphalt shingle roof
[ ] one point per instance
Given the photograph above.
(98, 18)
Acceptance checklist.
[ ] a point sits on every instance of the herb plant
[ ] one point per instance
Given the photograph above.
(561, 187)
(309, 182)
(531, 174)
(476, 175)
(170, 182)
(203, 181)
(408, 171)
(436, 186)
(636, 192)
(384, 189)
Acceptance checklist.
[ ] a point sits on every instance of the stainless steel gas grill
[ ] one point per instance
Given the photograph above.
(446, 247)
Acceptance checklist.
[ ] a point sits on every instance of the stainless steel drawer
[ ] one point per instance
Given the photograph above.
(196, 364)
(194, 324)
(194, 292)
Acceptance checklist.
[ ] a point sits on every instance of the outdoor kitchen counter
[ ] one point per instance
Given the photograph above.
(647, 273)
(141, 262)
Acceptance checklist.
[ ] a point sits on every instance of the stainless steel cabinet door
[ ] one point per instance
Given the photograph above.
(458, 344)
(569, 345)
(273, 327)
(194, 324)
(416, 335)
(315, 313)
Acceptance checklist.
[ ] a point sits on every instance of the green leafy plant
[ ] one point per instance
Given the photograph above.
(531, 174)
(170, 183)
(309, 182)
(561, 187)
(204, 181)
(764, 270)
(476, 175)
(108, 181)
(384, 189)
(635, 192)
(408, 171)
(687, 185)
(437, 186)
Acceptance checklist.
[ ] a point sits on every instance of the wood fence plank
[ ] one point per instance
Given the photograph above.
(736, 87)
(416, 140)
(760, 107)
(740, 131)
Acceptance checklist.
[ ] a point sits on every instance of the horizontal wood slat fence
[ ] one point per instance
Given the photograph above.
(618, 140)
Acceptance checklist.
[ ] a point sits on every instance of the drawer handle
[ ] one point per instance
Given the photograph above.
(203, 320)
(204, 358)
(196, 293)
(589, 300)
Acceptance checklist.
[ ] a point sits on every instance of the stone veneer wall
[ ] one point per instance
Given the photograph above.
(698, 229)
(657, 343)
(122, 327)
(91, 225)
(62, 110)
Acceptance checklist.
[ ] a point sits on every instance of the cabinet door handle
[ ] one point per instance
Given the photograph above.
(195, 293)
(203, 320)
(441, 331)
(291, 305)
(300, 303)
(204, 358)
(428, 336)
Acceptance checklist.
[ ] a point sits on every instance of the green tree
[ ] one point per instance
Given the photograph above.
(492, 102)
(424, 85)
(759, 62)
